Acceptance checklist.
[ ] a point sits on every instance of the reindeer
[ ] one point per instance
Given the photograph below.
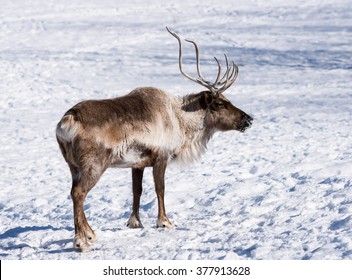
(145, 128)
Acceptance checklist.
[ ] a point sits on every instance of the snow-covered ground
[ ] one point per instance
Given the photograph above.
(282, 190)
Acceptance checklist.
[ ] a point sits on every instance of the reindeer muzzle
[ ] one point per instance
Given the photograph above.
(246, 123)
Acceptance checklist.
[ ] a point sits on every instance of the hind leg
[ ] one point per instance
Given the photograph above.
(82, 183)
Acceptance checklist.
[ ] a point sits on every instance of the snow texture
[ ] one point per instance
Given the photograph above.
(282, 190)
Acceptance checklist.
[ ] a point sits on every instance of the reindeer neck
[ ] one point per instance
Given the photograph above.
(193, 122)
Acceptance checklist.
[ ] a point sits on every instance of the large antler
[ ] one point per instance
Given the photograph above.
(220, 84)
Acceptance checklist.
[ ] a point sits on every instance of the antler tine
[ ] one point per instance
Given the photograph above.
(235, 70)
(219, 71)
(211, 86)
(233, 75)
(226, 74)
(230, 80)
(197, 58)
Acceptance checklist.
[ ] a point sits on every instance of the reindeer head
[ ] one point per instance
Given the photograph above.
(221, 113)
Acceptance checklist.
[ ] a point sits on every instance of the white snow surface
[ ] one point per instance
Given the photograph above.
(281, 190)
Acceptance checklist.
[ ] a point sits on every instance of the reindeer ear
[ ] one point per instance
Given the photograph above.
(207, 99)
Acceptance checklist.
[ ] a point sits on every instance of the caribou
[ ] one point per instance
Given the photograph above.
(145, 128)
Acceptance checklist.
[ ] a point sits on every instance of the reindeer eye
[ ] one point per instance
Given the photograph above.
(220, 105)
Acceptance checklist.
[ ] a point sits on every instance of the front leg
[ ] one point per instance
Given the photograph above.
(159, 181)
(137, 177)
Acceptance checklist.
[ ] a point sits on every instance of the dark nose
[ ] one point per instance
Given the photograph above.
(246, 123)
